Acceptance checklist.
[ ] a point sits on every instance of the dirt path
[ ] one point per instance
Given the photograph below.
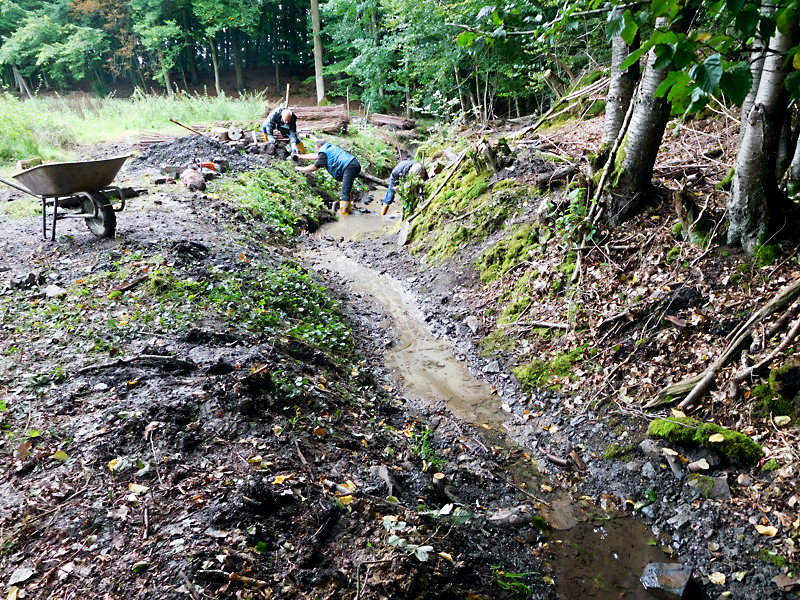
(165, 440)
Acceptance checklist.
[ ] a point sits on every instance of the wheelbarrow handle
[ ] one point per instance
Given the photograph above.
(21, 188)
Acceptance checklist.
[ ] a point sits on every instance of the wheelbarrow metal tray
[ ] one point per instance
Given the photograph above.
(65, 178)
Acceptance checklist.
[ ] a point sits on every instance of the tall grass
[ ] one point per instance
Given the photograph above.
(51, 127)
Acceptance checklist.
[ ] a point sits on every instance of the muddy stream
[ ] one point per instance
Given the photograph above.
(593, 556)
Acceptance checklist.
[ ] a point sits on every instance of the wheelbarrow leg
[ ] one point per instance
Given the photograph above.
(44, 218)
(55, 217)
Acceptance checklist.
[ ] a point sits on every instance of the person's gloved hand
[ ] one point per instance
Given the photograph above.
(295, 156)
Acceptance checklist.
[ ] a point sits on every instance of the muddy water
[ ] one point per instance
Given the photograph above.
(592, 557)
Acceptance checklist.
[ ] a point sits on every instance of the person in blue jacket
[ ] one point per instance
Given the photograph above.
(285, 121)
(401, 171)
(342, 166)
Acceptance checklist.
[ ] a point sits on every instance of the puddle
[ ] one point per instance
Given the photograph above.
(592, 558)
(359, 226)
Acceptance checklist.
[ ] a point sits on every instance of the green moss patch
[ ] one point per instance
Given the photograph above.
(538, 373)
(702, 483)
(496, 341)
(508, 252)
(739, 448)
(615, 451)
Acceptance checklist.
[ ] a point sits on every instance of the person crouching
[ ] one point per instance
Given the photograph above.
(341, 165)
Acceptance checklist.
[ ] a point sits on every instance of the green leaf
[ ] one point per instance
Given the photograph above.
(664, 54)
(792, 84)
(734, 6)
(660, 8)
(631, 27)
(140, 566)
(708, 73)
(747, 20)
(650, 494)
(632, 58)
(684, 54)
(785, 17)
(465, 38)
(615, 26)
(736, 82)
(33, 433)
(766, 27)
(262, 547)
(671, 79)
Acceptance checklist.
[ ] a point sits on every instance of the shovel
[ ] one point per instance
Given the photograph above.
(402, 237)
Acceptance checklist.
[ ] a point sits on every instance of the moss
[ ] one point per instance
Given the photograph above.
(739, 448)
(765, 255)
(538, 373)
(496, 341)
(515, 308)
(507, 253)
(452, 238)
(677, 229)
(615, 451)
(702, 483)
(768, 556)
(770, 465)
(673, 255)
(743, 268)
(726, 183)
(598, 108)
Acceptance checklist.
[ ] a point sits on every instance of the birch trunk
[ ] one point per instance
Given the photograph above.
(757, 208)
(316, 25)
(236, 42)
(620, 93)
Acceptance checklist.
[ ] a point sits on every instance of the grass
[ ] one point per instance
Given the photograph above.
(52, 127)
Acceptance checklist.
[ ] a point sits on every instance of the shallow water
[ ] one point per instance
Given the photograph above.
(592, 558)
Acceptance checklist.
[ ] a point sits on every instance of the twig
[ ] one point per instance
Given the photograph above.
(368, 563)
(155, 459)
(745, 373)
(189, 128)
(300, 454)
(189, 585)
(146, 518)
(141, 357)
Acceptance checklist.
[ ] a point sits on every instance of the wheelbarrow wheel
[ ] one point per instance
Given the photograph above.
(105, 223)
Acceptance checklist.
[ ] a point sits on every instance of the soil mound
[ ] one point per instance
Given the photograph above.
(183, 151)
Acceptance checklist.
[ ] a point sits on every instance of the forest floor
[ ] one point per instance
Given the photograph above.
(160, 447)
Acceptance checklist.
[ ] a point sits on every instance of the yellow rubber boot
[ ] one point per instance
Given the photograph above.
(344, 207)
(301, 148)
(384, 210)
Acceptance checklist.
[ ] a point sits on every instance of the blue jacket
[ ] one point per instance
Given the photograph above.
(338, 160)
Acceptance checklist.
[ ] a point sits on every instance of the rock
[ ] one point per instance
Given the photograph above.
(711, 487)
(650, 511)
(492, 367)
(670, 581)
(391, 483)
(650, 449)
(473, 324)
(21, 573)
(649, 471)
(681, 517)
(633, 467)
(675, 464)
(744, 480)
(511, 517)
(54, 291)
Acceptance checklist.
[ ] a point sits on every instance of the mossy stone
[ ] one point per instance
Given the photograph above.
(739, 448)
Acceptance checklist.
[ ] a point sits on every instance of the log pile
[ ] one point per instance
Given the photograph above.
(319, 113)
(392, 121)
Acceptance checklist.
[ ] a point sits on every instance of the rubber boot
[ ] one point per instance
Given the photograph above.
(344, 207)
(384, 210)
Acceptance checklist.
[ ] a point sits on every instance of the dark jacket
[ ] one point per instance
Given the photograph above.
(274, 122)
(402, 169)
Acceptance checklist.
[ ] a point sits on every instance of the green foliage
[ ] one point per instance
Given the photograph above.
(770, 465)
(422, 447)
(764, 255)
(739, 448)
(496, 341)
(512, 582)
(770, 556)
(538, 373)
(616, 451)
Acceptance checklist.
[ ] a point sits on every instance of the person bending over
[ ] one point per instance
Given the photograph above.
(285, 121)
(400, 172)
(342, 166)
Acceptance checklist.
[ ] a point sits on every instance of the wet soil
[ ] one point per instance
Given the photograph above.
(182, 474)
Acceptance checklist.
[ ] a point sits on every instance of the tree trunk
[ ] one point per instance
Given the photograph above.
(460, 92)
(236, 40)
(757, 66)
(620, 92)
(23, 85)
(793, 184)
(214, 62)
(757, 208)
(165, 71)
(640, 146)
(316, 26)
(190, 50)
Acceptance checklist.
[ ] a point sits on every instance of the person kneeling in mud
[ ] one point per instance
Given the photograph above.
(401, 171)
(342, 166)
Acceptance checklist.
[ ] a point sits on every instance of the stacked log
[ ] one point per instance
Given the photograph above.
(392, 121)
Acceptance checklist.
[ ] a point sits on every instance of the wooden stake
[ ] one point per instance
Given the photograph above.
(286, 103)
(348, 101)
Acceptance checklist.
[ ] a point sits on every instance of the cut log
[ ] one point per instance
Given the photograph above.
(28, 163)
(319, 113)
(235, 132)
(372, 179)
(547, 179)
(221, 133)
(399, 122)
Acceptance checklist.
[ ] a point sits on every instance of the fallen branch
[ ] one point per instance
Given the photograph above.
(175, 363)
(703, 380)
(757, 368)
(545, 179)
(372, 179)
(452, 172)
(189, 128)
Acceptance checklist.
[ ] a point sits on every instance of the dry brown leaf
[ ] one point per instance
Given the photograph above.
(716, 437)
(769, 530)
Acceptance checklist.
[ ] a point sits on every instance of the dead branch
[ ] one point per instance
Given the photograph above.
(546, 179)
(372, 179)
(703, 380)
(759, 367)
(143, 359)
(779, 324)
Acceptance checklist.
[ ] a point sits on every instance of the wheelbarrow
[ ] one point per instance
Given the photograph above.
(84, 185)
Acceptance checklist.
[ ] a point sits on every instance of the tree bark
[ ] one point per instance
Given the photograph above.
(759, 53)
(190, 59)
(23, 85)
(215, 63)
(756, 207)
(640, 147)
(236, 41)
(316, 26)
(165, 71)
(620, 93)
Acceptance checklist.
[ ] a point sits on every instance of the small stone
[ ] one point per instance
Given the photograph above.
(473, 324)
(492, 367)
(744, 480)
(649, 471)
(650, 449)
(54, 291)
(650, 511)
(669, 580)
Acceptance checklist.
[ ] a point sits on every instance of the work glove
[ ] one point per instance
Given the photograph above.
(295, 156)
(294, 148)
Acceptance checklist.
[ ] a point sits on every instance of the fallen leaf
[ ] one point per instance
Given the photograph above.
(548, 579)
(60, 455)
(21, 574)
(22, 450)
(782, 420)
(769, 530)
(320, 431)
(140, 566)
(718, 578)
(447, 557)
(150, 426)
(786, 583)
(717, 437)
(678, 414)
(12, 593)
(112, 465)
(345, 500)
(279, 479)
(137, 489)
